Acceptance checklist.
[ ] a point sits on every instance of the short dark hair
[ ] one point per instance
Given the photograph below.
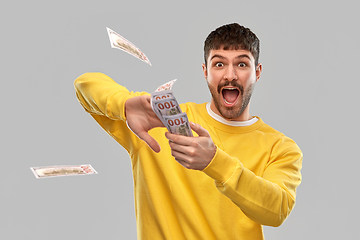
(232, 36)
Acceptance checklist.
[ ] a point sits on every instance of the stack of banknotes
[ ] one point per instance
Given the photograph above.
(165, 106)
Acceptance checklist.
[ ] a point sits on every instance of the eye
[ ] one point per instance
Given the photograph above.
(242, 64)
(219, 64)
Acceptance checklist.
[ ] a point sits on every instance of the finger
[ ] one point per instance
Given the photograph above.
(180, 157)
(178, 139)
(177, 149)
(202, 132)
(182, 163)
(150, 141)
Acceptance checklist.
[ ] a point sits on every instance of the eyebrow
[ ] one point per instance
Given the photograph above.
(222, 57)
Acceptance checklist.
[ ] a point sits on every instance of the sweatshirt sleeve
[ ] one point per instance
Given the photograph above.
(266, 199)
(105, 100)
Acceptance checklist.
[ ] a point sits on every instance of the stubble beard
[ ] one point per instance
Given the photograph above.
(234, 112)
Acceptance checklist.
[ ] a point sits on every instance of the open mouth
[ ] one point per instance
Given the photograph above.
(230, 96)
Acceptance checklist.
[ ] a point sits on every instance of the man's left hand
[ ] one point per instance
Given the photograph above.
(192, 152)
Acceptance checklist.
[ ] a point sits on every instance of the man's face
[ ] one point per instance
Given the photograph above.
(231, 77)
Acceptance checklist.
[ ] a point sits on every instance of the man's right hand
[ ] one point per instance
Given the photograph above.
(141, 118)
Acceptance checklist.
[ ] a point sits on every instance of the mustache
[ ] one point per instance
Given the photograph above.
(232, 84)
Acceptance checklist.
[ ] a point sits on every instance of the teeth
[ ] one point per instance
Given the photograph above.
(229, 89)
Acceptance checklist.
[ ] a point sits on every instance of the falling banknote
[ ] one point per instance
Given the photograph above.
(165, 106)
(121, 43)
(59, 171)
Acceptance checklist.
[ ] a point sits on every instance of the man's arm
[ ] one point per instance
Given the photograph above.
(100, 95)
(108, 103)
(267, 200)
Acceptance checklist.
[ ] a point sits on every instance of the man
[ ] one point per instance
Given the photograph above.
(235, 175)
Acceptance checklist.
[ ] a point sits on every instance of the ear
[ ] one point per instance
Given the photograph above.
(258, 71)
(205, 71)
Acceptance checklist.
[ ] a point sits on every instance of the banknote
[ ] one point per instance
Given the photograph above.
(178, 124)
(58, 171)
(119, 42)
(162, 95)
(166, 86)
(167, 107)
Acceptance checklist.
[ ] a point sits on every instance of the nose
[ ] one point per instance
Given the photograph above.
(230, 73)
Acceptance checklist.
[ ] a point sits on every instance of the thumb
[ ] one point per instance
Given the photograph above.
(150, 141)
(145, 136)
(202, 132)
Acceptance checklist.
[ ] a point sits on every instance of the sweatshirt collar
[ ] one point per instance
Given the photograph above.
(230, 123)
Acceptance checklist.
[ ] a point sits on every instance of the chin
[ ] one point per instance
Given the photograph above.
(230, 114)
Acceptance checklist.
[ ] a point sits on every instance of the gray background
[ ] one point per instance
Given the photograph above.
(308, 90)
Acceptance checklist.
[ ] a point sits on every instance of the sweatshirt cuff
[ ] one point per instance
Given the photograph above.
(118, 111)
(221, 166)
(119, 99)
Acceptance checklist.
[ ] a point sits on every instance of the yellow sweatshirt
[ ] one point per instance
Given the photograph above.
(250, 182)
